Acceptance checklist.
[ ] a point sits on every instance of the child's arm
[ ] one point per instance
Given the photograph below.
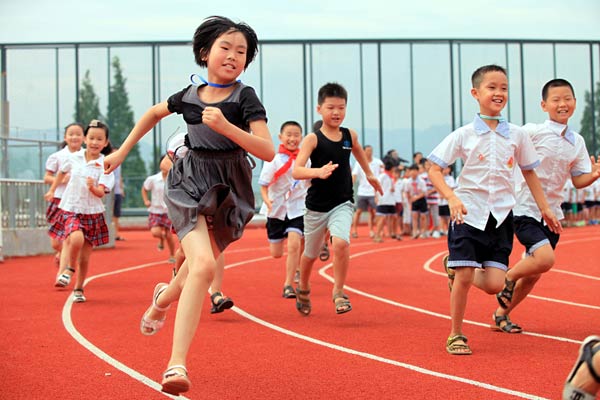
(540, 199)
(457, 208)
(300, 170)
(584, 180)
(97, 191)
(58, 178)
(264, 193)
(258, 144)
(143, 126)
(361, 158)
(145, 197)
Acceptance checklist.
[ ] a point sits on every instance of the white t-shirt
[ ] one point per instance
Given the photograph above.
(487, 180)
(77, 198)
(286, 194)
(53, 164)
(387, 185)
(155, 184)
(364, 187)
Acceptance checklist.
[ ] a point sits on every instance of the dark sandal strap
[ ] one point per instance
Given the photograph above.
(589, 354)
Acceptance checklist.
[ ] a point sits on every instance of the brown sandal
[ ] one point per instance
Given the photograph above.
(303, 301)
(458, 349)
(341, 306)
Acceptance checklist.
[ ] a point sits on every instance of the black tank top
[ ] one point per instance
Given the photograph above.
(325, 194)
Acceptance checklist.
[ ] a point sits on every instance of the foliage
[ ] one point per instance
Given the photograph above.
(89, 108)
(592, 139)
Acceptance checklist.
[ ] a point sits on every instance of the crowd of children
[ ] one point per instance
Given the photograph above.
(202, 198)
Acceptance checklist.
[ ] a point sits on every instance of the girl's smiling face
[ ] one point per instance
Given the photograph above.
(95, 141)
(74, 137)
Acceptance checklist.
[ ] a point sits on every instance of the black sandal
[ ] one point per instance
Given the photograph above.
(288, 292)
(507, 327)
(505, 296)
(449, 271)
(303, 301)
(324, 254)
(589, 348)
(223, 304)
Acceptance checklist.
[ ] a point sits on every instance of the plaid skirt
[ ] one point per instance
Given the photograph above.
(161, 220)
(93, 226)
(52, 212)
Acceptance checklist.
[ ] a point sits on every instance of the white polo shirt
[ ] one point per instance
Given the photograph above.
(561, 158)
(77, 198)
(53, 164)
(387, 185)
(287, 194)
(155, 184)
(486, 183)
(364, 187)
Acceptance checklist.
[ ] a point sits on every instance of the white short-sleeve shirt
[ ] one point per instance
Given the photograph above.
(486, 183)
(155, 184)
(561, 157)
(53, 164)
(77, 198)
(387, 185)
(364, 187)
(287, 194)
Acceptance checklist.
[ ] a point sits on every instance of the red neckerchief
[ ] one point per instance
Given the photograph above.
(284, 168)
(391, 175)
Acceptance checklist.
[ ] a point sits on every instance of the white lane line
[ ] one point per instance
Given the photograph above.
(427, 267)
(395, 363)
(68, 323)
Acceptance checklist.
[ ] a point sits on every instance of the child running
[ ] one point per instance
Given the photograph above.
(209, 191)
(158, 220)
(481, 233)
(283, 203)
(563, 157)
(82, 210)
(329, 198)
(73, 139)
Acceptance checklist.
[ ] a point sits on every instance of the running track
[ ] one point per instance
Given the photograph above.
(391, 346)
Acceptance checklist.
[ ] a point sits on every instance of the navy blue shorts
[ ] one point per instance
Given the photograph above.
(534, 234)
(386, 210)
(420, 206)
(444, 211)
(470, 247)
(277, 229)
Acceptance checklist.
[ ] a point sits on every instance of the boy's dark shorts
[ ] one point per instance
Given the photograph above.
(470, 247)
(420, 206)
(566, 207)
(386, 210)
(533, 234)
(277, 229)
(444, 211)
(365, 202)
(117, 205)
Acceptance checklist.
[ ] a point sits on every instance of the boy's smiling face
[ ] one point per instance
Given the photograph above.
(559, 104)
(290, 137)
(492, 93)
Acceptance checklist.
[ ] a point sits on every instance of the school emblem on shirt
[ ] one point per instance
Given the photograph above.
(510, 163)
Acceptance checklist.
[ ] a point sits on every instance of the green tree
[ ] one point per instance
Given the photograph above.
(592, 139)
(88, 102)
(120, 120)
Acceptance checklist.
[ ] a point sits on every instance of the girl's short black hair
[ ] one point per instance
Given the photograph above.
(215, 26)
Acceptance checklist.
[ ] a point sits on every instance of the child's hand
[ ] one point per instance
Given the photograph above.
(375, 183)
(595, 167)
(551, 220)
(49, 195)
(89, 181)
(147, 203)
(269, 204)
(214, 118)
(457, 209)
(326, 170)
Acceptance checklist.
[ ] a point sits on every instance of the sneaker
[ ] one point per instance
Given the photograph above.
(324, 254)
(78, 296)
(435, 235)
(171, 260)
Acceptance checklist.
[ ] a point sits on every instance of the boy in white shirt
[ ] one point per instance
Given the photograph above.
(480, 238)
(563, 157)
(365, 194)
(283, 203)
(386, 203)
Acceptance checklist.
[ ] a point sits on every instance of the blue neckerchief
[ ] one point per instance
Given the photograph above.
(211, 84)
(481, 127)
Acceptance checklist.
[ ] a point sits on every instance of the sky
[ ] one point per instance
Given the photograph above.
(42, 21)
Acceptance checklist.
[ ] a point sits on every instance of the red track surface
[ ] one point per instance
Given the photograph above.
(391, 346)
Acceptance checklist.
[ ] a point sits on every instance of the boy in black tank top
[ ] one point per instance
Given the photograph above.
(329, 198)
